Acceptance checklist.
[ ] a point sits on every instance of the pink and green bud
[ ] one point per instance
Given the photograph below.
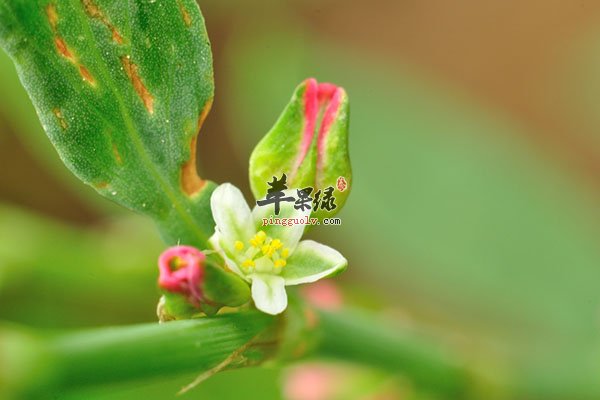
(193, 282)
(309, 143)
(181, 271)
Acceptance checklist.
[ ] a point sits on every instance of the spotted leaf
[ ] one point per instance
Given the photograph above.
(122, 89)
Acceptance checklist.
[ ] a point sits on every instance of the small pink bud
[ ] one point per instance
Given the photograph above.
(313, 381)
(181, 271)
(324, 295)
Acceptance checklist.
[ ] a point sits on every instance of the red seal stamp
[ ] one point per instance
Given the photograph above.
(342, 184)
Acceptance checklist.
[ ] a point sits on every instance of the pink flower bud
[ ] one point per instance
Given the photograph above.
(324, 295)
(309, 143)
(181, 271)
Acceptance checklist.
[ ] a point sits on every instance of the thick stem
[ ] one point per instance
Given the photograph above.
(110, 355)
(361, 338)
(141, 351)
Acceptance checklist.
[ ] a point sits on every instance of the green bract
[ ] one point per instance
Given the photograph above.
(122, 88)
(309, 143)
(268, 256)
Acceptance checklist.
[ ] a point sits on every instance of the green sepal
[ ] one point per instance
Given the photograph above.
(221, 287)
(173, 306)
(336, 161)
(278, 150)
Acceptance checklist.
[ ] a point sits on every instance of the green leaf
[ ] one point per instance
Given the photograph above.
(121, 89)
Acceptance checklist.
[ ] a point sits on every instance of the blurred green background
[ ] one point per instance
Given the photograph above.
(475, 212)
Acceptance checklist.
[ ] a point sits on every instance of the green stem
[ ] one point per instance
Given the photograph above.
(36, 367)
(109, 355)
(361, 338)
(144, 351)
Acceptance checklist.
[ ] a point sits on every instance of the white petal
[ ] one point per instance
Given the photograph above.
(268, 293)
(312, 261)
(232, 215)
(290, 234)
(215, 242)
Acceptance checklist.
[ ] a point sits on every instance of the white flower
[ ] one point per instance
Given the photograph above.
(269, 257)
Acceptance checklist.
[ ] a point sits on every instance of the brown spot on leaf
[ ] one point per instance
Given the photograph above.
(60, 117)
(52, 16)
(115, 149)
(100, 185)
(204, 114)
(191, 183)
(116, 36)
(117, 155)
(63, 49)
(92, 10)
(132, 73)
(187, 19)
(85, 74)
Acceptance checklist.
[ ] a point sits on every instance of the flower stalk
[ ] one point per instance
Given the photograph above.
(80, 360)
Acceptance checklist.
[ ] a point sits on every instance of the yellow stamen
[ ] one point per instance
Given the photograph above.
(267, 250)
(258, 239)
(262, 245)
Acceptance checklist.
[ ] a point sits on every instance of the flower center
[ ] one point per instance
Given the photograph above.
(262, 253)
